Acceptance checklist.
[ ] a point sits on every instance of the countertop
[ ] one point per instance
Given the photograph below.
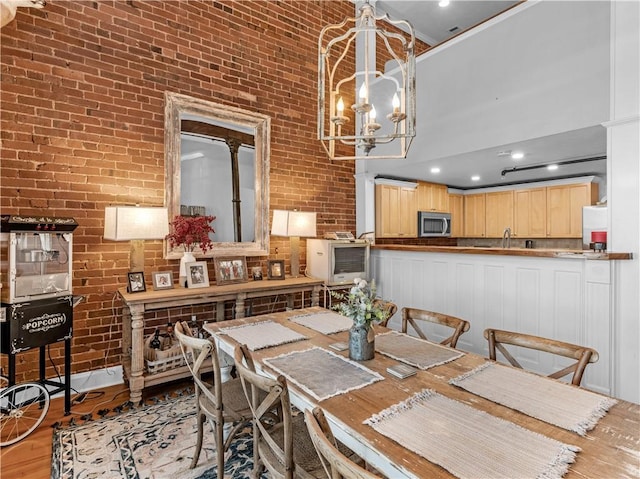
(532, 253)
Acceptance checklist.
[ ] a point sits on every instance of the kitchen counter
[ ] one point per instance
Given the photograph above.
(534, 253)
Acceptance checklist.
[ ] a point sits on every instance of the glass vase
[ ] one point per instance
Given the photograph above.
(187, 257)
(361, 342)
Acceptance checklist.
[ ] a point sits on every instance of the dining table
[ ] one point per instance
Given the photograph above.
(460, 415)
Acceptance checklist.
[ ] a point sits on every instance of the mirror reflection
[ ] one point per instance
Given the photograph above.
(217, 164)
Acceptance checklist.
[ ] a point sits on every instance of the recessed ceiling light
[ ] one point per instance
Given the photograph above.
(552, 167)
(435, 170)
(443, 3)
(517, 155)
(475, 178)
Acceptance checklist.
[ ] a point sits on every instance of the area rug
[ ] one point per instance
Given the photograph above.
(155, 441)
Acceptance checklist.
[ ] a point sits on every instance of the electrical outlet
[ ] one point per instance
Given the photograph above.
(3, 315)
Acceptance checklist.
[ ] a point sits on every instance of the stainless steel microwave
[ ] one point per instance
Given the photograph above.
(432, 224)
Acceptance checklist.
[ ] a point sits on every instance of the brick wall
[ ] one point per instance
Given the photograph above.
(81, 126)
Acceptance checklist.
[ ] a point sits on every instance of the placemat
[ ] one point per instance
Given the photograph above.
(549, 400)
(321, 373)
(325, 322)
(414, 351)
(263, 334)
(470, 443)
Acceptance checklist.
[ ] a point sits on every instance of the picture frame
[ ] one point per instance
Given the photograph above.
(197, 274)
(275, 269)
(256, 273)
(162, 280)
(135, 282)
(230, 269)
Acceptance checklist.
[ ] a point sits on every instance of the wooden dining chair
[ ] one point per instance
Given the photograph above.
(281, 442)
(335, 463)
(219, 402)
(388, 307)
(583, 355)
(412, 317)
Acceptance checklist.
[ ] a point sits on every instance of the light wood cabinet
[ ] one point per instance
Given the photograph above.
(498, 213)
(396, 212)
(474, 216)
(456, 207)
(432, 197)
(530, 213)
(564, 208)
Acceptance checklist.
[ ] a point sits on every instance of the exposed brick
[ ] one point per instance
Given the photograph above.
(82, 127)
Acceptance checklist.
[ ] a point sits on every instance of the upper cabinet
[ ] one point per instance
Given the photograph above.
(498, 213)
(396, 212)
(530, 213)
(432, 197)
(564, 208)
(474, 216)
(456, 207)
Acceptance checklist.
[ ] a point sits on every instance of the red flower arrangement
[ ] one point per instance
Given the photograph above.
(191, 231)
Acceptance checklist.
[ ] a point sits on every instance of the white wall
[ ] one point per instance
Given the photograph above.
(623, 166)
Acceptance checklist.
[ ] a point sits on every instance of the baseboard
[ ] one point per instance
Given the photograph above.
(94, 380)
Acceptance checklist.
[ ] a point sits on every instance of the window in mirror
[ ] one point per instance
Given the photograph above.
(217, 163)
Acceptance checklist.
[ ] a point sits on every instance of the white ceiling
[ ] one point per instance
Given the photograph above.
(432, 24)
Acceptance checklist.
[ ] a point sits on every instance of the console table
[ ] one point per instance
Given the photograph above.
(136, 304)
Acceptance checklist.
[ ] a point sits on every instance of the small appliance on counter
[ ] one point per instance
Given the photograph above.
(594, 228)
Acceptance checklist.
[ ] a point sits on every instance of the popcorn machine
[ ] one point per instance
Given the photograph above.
(36, 294)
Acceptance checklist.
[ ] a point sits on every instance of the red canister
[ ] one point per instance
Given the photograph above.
(598, 236)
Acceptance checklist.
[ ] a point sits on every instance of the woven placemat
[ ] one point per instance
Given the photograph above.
(470, 443)
(326, 322)
(263, 334)
(414, 351)
(549, 400)
(322, 373)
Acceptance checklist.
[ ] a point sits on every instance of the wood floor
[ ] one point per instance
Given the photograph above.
(31, 457)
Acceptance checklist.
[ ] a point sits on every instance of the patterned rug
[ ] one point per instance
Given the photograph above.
(153, 441)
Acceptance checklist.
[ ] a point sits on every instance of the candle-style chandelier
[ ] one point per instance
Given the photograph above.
(364, 65)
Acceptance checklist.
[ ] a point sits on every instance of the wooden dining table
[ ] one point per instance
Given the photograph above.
(610, 450)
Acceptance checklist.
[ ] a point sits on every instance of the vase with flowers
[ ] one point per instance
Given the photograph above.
(190, 232)
(360, 305)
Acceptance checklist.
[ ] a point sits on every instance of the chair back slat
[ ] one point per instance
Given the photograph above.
(265, 395)
(413, 316)
(337, 465)
(583, 355)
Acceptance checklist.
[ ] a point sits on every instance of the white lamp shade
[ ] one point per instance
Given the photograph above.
(293, 223)
(123, 223)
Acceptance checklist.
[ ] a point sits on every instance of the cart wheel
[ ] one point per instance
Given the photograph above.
(22, 409)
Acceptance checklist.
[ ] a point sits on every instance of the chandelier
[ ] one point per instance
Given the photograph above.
(373, 70)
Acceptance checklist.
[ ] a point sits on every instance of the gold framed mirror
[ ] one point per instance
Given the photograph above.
(226, 176)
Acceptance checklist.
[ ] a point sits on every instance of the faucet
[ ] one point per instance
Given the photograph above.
(506, 237)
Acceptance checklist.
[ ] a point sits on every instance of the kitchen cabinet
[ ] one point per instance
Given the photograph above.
(396, 212)
(498, 213)
(432, 197)
(474, 215)
(456, 207)
(530, 213)
(564, 208)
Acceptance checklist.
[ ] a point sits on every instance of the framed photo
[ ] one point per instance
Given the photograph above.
(197, 274)
(275, 269)
(231, 269)
(256, 273)
(162, 280)
(135, 282)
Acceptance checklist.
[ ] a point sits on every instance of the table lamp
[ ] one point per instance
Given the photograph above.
(294, 224)
(135, 224)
